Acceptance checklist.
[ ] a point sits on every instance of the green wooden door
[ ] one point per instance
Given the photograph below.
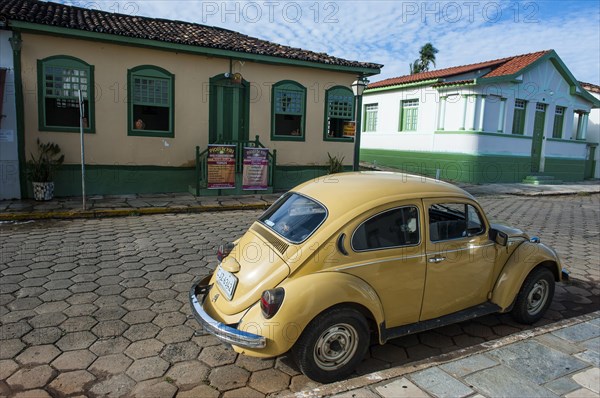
(228, 110)
(590, 162)
(538, 137)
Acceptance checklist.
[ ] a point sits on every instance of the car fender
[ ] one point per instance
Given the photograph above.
(525, 258)
(305, 298)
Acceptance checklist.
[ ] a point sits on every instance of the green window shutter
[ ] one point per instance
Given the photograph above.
(518, 126)
(60, 78)
(339, 108)
(151, 102)
(559, 118)
(288, 111)
(409, 115)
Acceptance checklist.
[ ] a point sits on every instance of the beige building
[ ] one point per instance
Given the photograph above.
(154, 90)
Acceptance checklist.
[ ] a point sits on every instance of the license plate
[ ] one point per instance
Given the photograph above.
(227, 282)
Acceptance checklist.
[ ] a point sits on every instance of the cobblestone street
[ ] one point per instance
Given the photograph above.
(100, 307)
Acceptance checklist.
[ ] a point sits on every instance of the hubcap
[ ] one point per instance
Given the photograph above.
(336, 346)
(537, 297)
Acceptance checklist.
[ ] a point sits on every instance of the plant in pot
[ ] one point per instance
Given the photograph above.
(41, 168)
(335, 164)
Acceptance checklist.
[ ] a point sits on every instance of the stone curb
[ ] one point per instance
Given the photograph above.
(555, 193)
(388, 374)
(124, 212)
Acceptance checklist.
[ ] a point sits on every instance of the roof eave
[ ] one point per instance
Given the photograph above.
(30, 27)
(451, 85)
(402, 86)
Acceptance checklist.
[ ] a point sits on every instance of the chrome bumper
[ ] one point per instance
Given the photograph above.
(565, 275)
(223, 332)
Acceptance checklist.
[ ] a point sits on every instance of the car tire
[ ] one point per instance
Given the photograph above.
(535, 296)
(332, 345)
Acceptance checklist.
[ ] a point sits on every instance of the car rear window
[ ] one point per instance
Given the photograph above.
(392, 228)
(294, 217)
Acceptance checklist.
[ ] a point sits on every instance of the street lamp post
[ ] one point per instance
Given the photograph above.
(358, 87)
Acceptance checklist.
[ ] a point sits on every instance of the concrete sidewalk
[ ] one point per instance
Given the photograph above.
(127, 205)
(557, 360)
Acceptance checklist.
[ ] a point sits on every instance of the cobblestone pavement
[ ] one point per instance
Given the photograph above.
(99, 307)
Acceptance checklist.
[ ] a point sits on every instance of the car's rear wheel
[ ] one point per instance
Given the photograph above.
(332, 345)
(535, 296)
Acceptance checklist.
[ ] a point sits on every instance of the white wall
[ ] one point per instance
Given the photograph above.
(593, 134)
(9, 157)
(542, 84)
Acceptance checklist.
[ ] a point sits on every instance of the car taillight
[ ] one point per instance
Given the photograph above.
(224, 250)
(270, 301)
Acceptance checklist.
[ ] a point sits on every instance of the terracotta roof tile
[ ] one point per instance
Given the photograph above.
(592, 88)
(515, 64)
(500, 67)
(60, 15)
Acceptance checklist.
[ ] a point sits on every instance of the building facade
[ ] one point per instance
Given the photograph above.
(494, 121)
(154, 90)
(593, 134)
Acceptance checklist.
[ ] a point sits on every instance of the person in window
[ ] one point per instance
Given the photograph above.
(140, 125)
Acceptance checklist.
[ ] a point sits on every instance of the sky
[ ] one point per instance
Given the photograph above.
(391, 32)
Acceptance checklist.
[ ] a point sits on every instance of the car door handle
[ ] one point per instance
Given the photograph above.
(437, 259)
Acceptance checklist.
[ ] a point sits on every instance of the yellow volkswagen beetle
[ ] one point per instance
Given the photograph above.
(341, 260)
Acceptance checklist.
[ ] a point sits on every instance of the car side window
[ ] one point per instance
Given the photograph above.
(391, 228)
(454, 221)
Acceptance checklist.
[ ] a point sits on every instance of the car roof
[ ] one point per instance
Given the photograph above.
(346, 191)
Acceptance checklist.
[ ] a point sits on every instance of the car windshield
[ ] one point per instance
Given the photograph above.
(294, 217)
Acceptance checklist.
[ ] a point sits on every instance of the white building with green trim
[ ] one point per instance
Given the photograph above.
(495, 121)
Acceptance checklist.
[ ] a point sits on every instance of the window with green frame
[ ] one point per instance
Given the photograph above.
(559, 119)
(370, 118)
(288, 111)
(60, 78)
(339, 110)
(518, 126)
(151, 101)
(409, 113)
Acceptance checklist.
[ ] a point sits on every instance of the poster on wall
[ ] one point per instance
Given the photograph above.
(256, 164)
(221, 167)
(349, 129)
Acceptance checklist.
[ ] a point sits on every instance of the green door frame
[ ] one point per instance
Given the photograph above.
(228, 102)
(590, 161)
(538, 137)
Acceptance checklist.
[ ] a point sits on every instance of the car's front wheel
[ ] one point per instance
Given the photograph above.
(332, 345)
(535, 296)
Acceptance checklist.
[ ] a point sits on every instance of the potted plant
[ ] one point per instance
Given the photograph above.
(41, 168)
(335, 164)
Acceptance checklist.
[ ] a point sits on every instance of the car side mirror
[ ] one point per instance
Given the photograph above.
(501, 238)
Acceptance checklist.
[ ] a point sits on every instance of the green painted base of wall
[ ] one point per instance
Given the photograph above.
(565, 169)
(120, 180)
(287, 177)
(471, 168)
